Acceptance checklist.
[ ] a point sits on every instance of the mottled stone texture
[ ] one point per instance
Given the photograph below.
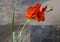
(43, 34)
(7, 8)
(32, 33)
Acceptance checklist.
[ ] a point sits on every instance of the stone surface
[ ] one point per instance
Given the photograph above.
(7, 7)
(32, 33)
(35, 33)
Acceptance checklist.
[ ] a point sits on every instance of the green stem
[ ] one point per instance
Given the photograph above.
(20, 33)
(13, 37)
(13, 28)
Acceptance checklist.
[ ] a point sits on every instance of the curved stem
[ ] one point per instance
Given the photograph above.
(20, 33)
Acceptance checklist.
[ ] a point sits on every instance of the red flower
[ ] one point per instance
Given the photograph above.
(34, 12)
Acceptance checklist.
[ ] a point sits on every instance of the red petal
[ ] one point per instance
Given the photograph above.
(44, 8)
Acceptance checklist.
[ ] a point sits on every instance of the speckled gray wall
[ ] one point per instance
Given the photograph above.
(52, 17)
(37, 33)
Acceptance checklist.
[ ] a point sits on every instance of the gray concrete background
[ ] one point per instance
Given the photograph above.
(32, 33)
(52, 17)
(7, 8)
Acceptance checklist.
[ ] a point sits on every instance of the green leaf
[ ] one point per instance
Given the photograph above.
(13, 23)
